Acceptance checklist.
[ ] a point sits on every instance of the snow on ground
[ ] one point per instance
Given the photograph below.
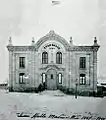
(48, 102)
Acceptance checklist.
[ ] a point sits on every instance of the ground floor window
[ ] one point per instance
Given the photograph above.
(82, 79)
(60, 78)
(43, 77)
(21, 78)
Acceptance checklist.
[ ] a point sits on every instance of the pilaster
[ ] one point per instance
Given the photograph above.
(14, 69)
(10, 69)
(94, 70)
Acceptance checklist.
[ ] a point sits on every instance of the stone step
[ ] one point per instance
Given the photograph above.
(52, 93)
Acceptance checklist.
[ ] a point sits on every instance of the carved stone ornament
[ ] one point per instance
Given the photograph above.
(10, 41)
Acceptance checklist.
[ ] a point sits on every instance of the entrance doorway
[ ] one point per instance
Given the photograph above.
(51, 79)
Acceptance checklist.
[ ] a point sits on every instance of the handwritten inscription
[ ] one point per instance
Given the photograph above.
(61, 116)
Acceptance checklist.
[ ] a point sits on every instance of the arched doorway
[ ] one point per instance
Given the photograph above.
(51, 79)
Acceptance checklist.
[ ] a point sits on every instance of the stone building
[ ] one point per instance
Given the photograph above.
(54, 61)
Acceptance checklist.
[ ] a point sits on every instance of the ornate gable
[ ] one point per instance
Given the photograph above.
(52, 36)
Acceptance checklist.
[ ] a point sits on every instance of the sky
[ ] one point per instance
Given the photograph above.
(24, 19)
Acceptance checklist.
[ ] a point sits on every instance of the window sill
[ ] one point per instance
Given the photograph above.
(82, 68)
(60, 83)
(21, 68)
(21, 83)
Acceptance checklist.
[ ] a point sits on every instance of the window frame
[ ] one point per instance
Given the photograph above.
(21, 81)
(82, 79)
(22, 62)
(82, 63)
(44, 57)
(59, 58)
(43, 78)
(60, 81)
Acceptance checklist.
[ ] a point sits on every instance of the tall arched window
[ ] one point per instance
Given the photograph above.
(43, 77)
(60, 78)
(59, 58)
(44, 58)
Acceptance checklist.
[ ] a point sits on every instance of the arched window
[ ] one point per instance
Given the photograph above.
(59, 58)
(60, 78)
(44, 58)
(43, 77)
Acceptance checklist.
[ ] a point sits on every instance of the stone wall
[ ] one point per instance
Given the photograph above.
(70, 73)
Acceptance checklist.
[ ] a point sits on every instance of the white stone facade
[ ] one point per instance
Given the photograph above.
(54, 74)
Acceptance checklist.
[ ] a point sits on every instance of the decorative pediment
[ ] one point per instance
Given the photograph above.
(52, 36)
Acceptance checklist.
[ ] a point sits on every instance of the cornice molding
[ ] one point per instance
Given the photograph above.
(21, 48)
(84, 48)
(71, 48)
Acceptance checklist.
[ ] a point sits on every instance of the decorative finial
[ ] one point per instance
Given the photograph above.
(95, 41)
(71, 41)
(54, 2)
(10, 41)
(33, 41)
(51, 32)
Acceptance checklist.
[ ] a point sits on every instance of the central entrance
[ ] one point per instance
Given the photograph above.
(51, 79)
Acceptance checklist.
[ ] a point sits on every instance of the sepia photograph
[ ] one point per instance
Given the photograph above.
(53, 60)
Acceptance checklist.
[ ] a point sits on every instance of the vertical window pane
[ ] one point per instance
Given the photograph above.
(59, 58)
(21, 78)
(82, 79)
(44, 58)
(22, 62)
(82, 62)
(60, 78)
(43, 77)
